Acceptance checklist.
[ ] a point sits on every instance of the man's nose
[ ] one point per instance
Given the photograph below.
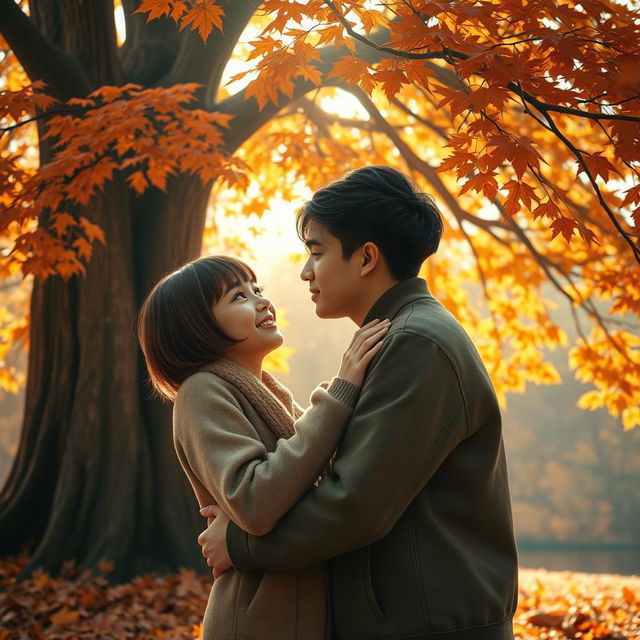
(307, 272)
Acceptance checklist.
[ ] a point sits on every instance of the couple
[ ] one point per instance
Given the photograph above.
(382, 510)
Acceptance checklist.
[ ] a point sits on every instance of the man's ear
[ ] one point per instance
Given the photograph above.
(369, 256)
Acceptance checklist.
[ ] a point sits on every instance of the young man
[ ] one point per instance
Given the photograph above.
(415, 519)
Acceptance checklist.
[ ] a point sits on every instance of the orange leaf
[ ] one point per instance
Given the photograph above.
(61, 221)
(64, 617)
(547, 209)
(138, 181)
(632, 195)
(92, 231)
(355, 71)
(83, 247)
(203, 17)
(598, 165)
(482, 182)
(518, 192)
(155, 8)
(392, 81)
(565, 226)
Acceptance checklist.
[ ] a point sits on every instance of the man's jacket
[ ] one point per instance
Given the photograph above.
(416, 517)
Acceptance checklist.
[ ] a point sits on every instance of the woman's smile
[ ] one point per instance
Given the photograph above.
(268, 323)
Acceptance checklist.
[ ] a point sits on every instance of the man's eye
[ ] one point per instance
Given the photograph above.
(315, 254)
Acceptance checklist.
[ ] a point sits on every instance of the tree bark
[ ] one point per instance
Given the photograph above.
(96, 476)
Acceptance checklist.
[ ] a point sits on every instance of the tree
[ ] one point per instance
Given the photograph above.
(521, 118)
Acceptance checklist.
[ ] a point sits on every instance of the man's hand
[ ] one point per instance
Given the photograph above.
(213, 540)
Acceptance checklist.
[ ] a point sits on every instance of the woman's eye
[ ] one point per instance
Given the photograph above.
(240, 293)
(258, 291)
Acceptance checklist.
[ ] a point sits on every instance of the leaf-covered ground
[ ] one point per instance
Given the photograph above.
(80, 605)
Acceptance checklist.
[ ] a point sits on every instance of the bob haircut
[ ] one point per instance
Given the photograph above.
(381, 205)
(177, 330)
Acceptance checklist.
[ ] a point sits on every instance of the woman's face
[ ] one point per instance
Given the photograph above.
(243, 313)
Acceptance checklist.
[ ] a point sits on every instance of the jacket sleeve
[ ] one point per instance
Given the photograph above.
(218, 444)
(410, 415)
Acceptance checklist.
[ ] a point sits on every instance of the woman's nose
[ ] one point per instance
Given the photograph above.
(263, 303)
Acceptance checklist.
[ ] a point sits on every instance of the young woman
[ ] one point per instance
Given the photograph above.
(243, 442)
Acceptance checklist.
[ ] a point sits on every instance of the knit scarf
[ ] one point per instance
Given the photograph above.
(272, 401)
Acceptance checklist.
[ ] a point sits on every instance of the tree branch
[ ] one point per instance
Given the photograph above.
(321, 118)
(445, 54)
(434, 127)
(248, 117)
(450, 56)
(578, 155)
(150, 48)
(63, 73)
(205, 63)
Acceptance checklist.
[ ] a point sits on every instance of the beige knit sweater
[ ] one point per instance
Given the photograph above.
(226, 440)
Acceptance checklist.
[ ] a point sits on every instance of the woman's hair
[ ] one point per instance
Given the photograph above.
(381, 205)
(177, 330)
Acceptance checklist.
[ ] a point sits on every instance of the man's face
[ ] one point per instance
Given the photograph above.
(335, 283)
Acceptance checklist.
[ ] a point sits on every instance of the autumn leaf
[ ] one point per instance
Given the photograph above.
(64, 617)
(564, 226)
(547, 209)
(83, 248)
(105, 566)
(482, 183)
(632, 196)
(92, 231)
(355, 71)
(391, 81)
(138, 181)
(61, 221)
(203, 17)
(598, 165)
(519, 192)
(155, 8)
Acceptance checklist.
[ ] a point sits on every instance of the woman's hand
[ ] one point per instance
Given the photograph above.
(366, 342)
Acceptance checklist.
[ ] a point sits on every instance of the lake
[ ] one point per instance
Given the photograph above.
(623, 561)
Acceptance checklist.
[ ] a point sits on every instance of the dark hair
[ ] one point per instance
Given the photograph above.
(177, 330)
(380, 205)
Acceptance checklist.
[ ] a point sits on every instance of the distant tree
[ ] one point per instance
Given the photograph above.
(522, 118)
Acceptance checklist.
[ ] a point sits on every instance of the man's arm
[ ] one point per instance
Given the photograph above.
(408, 419)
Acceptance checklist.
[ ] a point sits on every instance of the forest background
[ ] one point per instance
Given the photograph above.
(529, 145)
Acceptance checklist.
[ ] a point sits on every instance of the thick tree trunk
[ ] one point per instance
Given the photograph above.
(96, 476)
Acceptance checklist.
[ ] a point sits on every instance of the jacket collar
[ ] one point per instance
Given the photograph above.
(392, 300)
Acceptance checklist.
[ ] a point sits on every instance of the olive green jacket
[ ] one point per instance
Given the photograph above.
(416, 516)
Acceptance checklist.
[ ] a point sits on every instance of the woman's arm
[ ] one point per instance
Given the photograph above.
(220, 449)
(223, 454)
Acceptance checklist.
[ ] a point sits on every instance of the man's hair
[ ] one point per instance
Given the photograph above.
(380, 205)
(176, 326)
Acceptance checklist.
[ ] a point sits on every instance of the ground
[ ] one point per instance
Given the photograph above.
(80, 605)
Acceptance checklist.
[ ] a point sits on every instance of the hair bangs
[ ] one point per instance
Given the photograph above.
(221, 273)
